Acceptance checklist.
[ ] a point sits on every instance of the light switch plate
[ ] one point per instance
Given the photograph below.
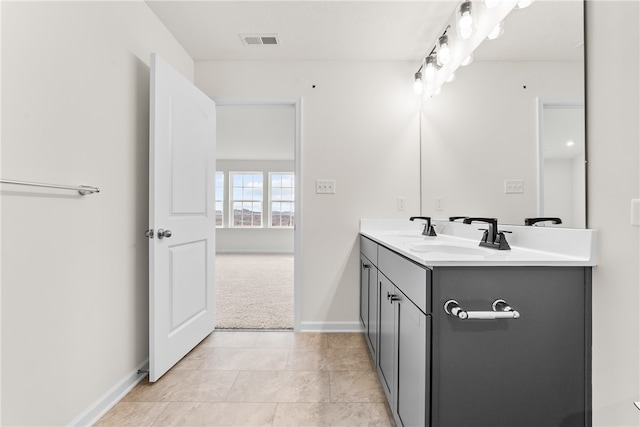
(513, 186)
(325, 186)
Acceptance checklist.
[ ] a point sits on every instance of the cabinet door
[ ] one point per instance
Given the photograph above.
(532, 371)
(387, 333)
(372, 330)
(411, 370)
(365, 278)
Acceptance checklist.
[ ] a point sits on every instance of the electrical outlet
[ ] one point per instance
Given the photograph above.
(325, 186)
(513, 186)
(402, 204)
(438, 203)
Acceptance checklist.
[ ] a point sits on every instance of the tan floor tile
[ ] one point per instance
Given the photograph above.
(280, 386)
(238, 339)
(185, 386)
(347, 340)
(329, 359)
(217, 414)
(331, 414)
(356, 386)
(291, 339)
(246, 359)
(193, 360)
(137, 414)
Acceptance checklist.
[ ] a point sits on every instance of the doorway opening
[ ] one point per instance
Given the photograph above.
(257, 214)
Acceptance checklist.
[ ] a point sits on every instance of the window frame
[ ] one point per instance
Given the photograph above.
(270, 200)
(232, 200)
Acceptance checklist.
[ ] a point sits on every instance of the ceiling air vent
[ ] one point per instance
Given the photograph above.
(259, 39)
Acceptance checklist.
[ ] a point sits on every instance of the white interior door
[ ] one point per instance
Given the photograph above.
(182, 217)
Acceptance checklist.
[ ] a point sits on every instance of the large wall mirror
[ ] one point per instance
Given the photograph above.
(505, 139)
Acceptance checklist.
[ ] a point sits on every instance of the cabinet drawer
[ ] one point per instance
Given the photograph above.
(369, 248)
(412, 279)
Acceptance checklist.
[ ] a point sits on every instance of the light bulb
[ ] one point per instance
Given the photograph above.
(570, 143)
(430, 68)
(444, 52)
(468, 60)
(496, 32)
(451, 78)
(465, 20)
(417, 84)
(490, 4)
(524, 3)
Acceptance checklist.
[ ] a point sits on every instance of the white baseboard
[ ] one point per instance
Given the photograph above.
(101, 406)
(330, 327)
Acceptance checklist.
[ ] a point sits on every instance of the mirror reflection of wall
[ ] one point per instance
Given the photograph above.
(482, 129)
(562, 165)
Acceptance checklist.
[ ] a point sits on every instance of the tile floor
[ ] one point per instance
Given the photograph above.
(262, 379)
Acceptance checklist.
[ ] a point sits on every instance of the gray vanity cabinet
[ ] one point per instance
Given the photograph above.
(404, 337)
(529, 369)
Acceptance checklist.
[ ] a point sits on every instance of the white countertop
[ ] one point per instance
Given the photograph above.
(457, 244)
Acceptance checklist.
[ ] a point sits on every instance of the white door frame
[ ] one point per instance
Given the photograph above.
(296, 103)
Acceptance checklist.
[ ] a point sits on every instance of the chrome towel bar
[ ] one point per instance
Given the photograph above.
(499, 310)
(82, 189)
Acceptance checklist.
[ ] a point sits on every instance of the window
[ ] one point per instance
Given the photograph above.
(219, 198)
(282, 199)
(246, 198)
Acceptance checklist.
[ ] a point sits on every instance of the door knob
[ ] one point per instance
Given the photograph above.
(163, 233)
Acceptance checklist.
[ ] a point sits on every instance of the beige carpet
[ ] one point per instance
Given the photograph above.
(254, 291)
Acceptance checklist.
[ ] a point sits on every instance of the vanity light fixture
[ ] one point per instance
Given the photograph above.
(496, 32)
(464, 19)
(444, 52)
(453, 49)
(430, 68)
(417, 84)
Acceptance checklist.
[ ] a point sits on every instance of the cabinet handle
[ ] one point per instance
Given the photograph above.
(392, 297)
(500, 310)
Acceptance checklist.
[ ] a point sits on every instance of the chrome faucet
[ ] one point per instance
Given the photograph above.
(429, 229)
(492, 238)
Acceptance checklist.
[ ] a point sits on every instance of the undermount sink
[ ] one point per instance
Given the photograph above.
(449, 249)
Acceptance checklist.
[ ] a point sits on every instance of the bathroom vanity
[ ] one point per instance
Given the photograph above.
(470, 336)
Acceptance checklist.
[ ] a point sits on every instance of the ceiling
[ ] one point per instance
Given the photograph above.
(359, 30)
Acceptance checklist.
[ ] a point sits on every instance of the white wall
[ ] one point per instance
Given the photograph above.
(75, 107)
(482, 129)
(613, 135)
(360, 126)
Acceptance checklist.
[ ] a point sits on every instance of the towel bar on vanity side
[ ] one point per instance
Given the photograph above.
(82, 189)
(500, 310)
